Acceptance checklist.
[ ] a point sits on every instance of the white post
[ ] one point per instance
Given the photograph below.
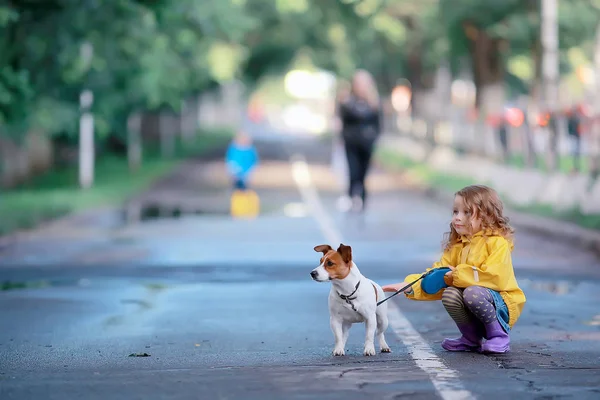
(86, 141)
(86, 127)
(549, 40)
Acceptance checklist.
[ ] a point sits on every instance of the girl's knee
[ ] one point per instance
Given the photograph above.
(475, 293)
(451, 296)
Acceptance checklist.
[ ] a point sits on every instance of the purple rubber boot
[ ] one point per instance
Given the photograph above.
(497, 340)
(469, 341)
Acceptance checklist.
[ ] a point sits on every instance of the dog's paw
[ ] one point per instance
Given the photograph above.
(369, 351)
(339, 352)
(386, 350)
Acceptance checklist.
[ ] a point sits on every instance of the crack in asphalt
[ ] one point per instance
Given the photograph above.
(530, 383)
(350, 370)
(325, 364)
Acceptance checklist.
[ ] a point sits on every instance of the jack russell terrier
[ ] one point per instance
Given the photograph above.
(352, 299)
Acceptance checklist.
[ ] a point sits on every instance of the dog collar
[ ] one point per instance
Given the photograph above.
(349, 296)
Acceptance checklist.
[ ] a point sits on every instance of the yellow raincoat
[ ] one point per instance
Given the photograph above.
(482, 260)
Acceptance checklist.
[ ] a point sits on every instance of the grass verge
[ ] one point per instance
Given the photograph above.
(452, 183)
(56, 193)
(9, 285)
(566, 163)
(422, 172)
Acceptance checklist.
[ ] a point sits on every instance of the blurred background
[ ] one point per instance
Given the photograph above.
(100, 98)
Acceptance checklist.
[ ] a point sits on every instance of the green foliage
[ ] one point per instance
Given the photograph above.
(144, 55)
(150, 54)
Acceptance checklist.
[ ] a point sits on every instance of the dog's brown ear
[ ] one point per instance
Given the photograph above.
(346, 252)
(323, 248)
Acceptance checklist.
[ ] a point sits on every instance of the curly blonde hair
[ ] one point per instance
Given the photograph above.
(484, 203)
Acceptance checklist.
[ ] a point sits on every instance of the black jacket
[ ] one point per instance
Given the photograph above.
(361, 124)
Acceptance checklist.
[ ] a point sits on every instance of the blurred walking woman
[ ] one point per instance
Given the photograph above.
(361, 126)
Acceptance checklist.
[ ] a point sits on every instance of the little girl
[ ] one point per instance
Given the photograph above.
(479, 290)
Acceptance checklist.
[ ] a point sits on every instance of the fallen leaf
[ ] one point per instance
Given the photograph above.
(139, 355)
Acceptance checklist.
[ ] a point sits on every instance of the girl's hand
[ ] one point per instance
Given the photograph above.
(394, 287)
(448, 278)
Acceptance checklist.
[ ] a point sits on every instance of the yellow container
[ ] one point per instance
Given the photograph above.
(245, 204)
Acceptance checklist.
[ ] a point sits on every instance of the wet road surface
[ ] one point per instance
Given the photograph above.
(226, 308)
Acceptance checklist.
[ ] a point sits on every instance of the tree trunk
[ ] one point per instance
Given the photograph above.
(421, 84)
(167, 138)
(134, 141)
(488, 75)
(414, 77)
(188, 119)
(530, 125)
(417, 76)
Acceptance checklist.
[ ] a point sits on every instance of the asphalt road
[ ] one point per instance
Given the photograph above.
(226, 309)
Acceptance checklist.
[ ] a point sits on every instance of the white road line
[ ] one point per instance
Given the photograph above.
(445, 380)
(308, 191)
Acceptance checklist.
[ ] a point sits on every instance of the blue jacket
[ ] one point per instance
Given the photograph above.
(241, 160)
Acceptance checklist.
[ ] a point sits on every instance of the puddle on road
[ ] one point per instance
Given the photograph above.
(157, 212)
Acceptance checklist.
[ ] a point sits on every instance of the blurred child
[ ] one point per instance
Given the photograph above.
(241, 159)
(475, 278)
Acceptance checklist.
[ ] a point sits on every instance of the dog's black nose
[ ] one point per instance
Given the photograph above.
(314, 274)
